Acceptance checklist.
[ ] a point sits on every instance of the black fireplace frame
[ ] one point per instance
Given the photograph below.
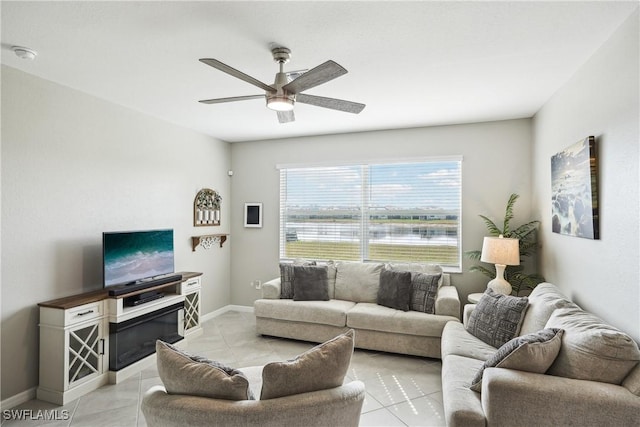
(135, 339)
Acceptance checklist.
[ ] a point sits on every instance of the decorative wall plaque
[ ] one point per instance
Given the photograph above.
(206, 208)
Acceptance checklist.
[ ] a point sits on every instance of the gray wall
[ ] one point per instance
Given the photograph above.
(74, 166)
(496, 162)
(600, 100)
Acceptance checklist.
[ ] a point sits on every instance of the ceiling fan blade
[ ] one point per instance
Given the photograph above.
(235, 73)
(333, 103)
(231, 99)
(292, 75)
(286, 116)
(315, 76)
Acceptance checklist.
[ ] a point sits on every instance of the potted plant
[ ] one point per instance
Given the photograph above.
(528, 245)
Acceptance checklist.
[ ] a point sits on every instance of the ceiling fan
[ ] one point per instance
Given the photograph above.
(284, 92)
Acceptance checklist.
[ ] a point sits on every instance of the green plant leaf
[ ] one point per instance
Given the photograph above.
(491, 226)
(508, 214)
(486, 271)
(474, 255)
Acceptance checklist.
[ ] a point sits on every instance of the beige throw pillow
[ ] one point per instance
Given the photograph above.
(320, 368)
(182, 373)
(530, 353)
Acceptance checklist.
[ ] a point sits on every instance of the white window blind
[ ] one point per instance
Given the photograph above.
(401, 212)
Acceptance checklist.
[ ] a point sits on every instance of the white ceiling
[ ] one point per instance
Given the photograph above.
(412, 63)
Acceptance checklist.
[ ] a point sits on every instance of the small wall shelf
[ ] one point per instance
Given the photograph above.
(207, 241)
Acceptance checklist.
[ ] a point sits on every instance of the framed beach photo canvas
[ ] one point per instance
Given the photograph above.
(253, 215)
(574, 190)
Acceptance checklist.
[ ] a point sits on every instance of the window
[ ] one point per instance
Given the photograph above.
(396, 211)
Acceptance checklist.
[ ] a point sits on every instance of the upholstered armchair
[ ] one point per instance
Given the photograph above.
(309, 390)
(339, 406)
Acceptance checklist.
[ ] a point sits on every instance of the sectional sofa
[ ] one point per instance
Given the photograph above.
(352, 303)
(584, 373)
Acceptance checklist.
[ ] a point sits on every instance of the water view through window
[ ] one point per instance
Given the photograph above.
(372, 212)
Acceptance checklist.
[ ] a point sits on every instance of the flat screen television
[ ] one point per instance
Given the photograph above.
(131, 257)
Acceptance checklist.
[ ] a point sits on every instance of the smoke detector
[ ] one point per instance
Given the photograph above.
(24, 52)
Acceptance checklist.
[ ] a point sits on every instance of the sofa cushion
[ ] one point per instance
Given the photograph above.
(591, 349)
(320, 368)
(358, 281)
(286, 276)
(424, 288)
(497, 318)
(182, 373)
(333, 312)
(457, 341)
(530, 353)
(379, 318)
(544, 299)
(310, 283)
(395, 289)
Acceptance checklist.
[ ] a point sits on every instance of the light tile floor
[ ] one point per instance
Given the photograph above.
(400, 390)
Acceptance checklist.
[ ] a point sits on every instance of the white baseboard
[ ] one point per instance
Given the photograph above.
(226, 308)
(30, 394)
(18, 399)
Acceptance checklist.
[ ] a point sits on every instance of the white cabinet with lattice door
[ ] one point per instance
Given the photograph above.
(190, 288)
(73, 351)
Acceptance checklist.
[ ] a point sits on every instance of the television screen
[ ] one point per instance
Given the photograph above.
(131, 256)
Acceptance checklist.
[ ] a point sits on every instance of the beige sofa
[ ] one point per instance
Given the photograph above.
(605, 360)
(352, 305)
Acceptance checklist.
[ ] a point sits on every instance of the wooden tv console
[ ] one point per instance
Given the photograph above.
(74, 336)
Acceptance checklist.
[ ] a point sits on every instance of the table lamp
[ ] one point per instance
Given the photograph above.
(500, 251)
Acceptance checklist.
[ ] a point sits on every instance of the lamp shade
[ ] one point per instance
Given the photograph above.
(500, 250)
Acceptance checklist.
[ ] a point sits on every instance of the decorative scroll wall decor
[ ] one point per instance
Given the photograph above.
(206, 208)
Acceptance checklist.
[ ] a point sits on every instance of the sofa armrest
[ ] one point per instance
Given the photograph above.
(511, 397)
(448, 302)
(271, 289)
(468, 308)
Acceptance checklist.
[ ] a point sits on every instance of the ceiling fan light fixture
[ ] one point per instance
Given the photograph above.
(280, 103)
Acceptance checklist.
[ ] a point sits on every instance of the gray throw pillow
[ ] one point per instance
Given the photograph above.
(424, 288)
(286, 277)
(530, 353)
(497, 318)
(183, 373)
(310, 283)
(323, 367)
(395, 289)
